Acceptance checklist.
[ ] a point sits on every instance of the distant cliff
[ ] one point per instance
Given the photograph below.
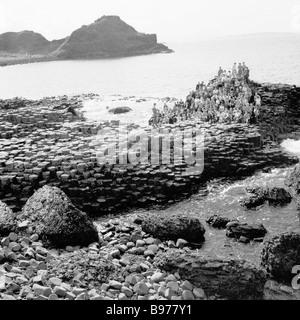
(107, 37)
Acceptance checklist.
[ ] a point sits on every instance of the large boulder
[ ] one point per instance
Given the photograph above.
(237, 230)
(120, 110)
(280, 254)
(174, 227)
(274, 196)
(231, 279)
(57, 220)
(7, 220)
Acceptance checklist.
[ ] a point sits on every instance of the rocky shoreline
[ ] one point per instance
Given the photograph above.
(47, 144)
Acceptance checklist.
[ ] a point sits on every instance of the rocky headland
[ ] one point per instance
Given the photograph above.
(107, 37)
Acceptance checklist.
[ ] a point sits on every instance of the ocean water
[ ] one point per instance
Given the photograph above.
(271, 57)
(122, 82)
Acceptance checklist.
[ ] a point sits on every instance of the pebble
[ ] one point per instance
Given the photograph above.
(115, 284)
(186, 285)
(24, 264)
(173, 286)
(161, 290)
(198, 293)
(170, 278)
(141, 288)
(60, 291)
(55, 281)
(128, 292)
(181, 243)
(42, 251)
(149, 253)
(5, 242)
(153, 247)
(171, 244)
(157, 277)
(130, 245)
(140, 243)
(70, 296)
(115, 254)
(188, 295)
(82, 296)
(13, 237)
(122, 296)
(41, 290)
(169, 293)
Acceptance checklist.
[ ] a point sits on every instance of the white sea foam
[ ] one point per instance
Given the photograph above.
(292, 146)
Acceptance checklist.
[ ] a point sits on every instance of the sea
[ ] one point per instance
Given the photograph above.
(138, 82)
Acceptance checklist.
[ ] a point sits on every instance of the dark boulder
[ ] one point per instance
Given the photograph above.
(278, 196)
(237, 230)
(274, 196)
(57, 220)
(280, 254)
(7, 220)
(120, 110)
(217, 221)
(174, 227)
(252, 201)
(231, 279)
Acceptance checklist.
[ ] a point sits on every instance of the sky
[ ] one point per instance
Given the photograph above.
(171, 20)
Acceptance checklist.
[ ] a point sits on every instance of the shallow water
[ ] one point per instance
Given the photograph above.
(223, 199)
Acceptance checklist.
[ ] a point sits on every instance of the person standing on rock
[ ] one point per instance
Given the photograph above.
(257, 100)
(155, 116)
(240, 71)
(234, 71)
(220, 72)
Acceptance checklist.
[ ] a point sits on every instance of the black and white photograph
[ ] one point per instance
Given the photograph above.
(149, 153)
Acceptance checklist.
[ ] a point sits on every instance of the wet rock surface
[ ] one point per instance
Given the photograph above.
(125, 264)
(174, 227)
(217, 221)
(227, 278)
(273, 196)
(245, 232)
(43, 143)
(280, 254)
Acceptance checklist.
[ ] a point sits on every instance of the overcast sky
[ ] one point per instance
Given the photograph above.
(172, 20)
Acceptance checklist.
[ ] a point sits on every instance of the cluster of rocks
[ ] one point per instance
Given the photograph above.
(259, 196)
(119, 265)
(44, 144)
(243, 232)
(133, 258)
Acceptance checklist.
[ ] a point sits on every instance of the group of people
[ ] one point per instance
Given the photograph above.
(227, 98)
